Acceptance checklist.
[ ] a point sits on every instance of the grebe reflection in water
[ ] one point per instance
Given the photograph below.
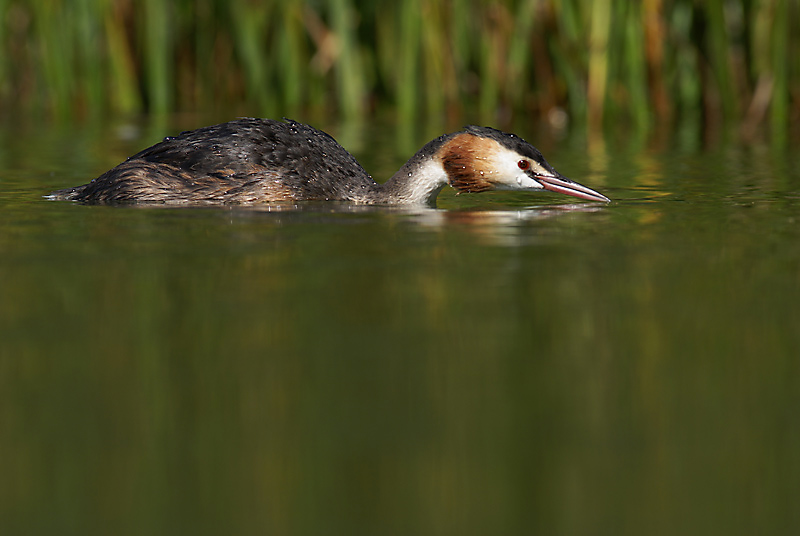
(262, 161)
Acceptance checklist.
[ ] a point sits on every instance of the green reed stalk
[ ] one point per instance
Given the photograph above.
(54, 46)
(569, 56)
(251, 22)
(407, 58)
(204, 55)
(291, 57)
(349, 75)
(158, 55)
(5, 70)
(88, 35)
(434, 36)
(121, 85)
(780, 65)
(491, 58)
(460, 21)
(635, 70)
(718, 48)
(684, 65)
(519, 52)
(598, 61)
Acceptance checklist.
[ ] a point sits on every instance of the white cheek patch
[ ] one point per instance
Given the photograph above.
(526, 183)
(507, 175)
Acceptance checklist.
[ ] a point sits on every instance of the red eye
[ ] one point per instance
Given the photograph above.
(524, 165)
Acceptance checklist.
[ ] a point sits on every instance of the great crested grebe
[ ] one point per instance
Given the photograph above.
(255, 161)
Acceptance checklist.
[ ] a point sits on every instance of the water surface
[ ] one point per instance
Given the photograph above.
(504, 364)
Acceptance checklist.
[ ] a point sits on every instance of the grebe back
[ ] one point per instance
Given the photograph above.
(261, 161)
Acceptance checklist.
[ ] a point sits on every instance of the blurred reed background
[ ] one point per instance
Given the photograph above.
(729, 63)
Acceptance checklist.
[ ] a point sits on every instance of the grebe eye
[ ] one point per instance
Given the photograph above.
(524, 165)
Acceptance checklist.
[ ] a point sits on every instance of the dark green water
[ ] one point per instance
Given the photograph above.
(506, 364)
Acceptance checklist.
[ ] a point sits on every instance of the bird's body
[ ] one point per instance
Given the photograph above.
(263, 161)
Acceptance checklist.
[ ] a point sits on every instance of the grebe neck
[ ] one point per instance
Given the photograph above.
(419, 181)
(412, 185)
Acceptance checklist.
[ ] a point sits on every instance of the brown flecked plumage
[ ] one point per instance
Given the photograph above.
(466, 160)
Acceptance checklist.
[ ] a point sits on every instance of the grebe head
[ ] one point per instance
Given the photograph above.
(483, 158)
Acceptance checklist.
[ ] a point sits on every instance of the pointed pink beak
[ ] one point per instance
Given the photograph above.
(563, 185)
